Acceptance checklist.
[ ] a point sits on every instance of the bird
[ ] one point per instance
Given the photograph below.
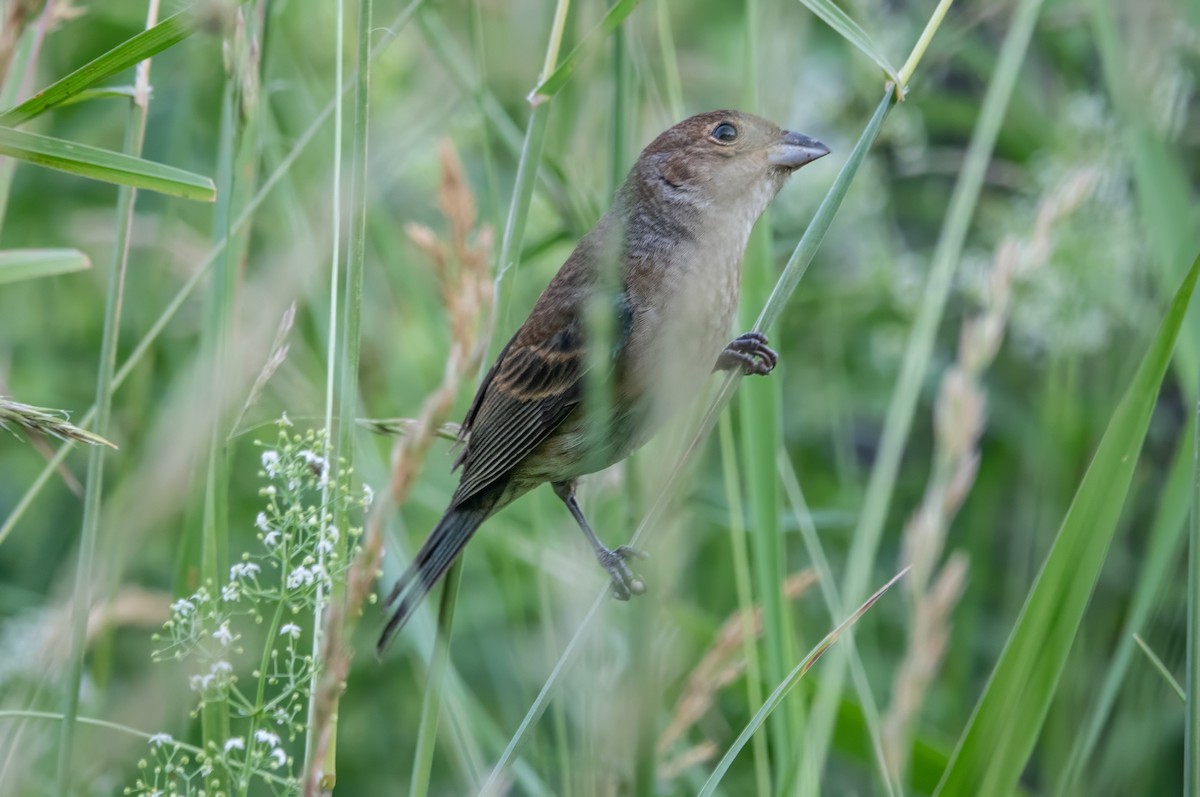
(622, 338)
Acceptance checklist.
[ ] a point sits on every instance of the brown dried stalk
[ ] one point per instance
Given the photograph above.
(959, 417)
(462, 269)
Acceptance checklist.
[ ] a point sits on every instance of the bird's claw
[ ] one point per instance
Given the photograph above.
(625, 583)
(750, 353)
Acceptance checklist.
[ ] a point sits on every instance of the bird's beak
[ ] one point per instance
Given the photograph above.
(793, 150)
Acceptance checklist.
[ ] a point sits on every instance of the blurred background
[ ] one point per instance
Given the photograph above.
(1077, 237)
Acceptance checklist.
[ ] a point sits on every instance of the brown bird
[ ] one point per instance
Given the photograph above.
(659, 273)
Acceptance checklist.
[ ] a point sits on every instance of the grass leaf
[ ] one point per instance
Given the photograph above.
(1158, 665)
(849, 30)
(22, 264)
(105, 165)
(151, 41)
(1001, 733)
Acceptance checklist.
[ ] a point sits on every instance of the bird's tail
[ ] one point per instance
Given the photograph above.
(441, 548)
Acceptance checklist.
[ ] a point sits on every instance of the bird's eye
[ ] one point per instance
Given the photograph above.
(725, 133)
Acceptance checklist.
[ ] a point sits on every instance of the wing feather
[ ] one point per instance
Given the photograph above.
(535, 384)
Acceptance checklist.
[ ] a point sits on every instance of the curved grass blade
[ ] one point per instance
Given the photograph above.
(558, 78)
(849, 30)
(776, 697)
(1158, 665)
(149, 42)
(23, 264)
(105, 165)
(1001, 733)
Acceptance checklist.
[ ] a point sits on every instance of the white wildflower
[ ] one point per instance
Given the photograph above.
(224, 635)
(261, 522)
(243, 570)
(182, 607)
(278, 758)
(200, 683)
(292, 630)
(300, 576)
(284, 420)
(221, 669)
(235, 743)
(229, 593)
(317, 463)
(272, 539)
(368, 495)
(270, 462)
(263, 736)
(159, 739)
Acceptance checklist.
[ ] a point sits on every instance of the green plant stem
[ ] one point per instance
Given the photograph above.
(263, 676)
(1157, 664)
(331, 371)
(431, 703)
(135, 133)
(741, 580)
(1191, 750)
(918, 51)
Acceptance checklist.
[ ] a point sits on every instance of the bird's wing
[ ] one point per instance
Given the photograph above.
(531, 389)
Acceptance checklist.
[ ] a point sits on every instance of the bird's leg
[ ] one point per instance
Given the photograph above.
(750, 353)
(624, 582)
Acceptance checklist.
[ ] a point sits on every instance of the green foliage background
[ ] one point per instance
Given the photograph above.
(1105, 86)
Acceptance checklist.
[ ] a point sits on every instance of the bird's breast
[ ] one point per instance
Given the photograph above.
(679, 334)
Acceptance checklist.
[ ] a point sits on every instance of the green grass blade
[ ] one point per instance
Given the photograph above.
(1191, 747)
(849, 30)
(152, 41)
(1158, 665)
(552, 84)
(1001, 733)
(105, 165)
(776, 697)
(23, 264)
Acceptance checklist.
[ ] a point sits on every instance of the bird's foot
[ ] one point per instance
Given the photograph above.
(625, 583)
(750, 353)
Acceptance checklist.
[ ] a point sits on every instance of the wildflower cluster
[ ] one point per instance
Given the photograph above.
(281, 585)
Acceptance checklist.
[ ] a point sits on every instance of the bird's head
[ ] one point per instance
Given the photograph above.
(722, 160)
